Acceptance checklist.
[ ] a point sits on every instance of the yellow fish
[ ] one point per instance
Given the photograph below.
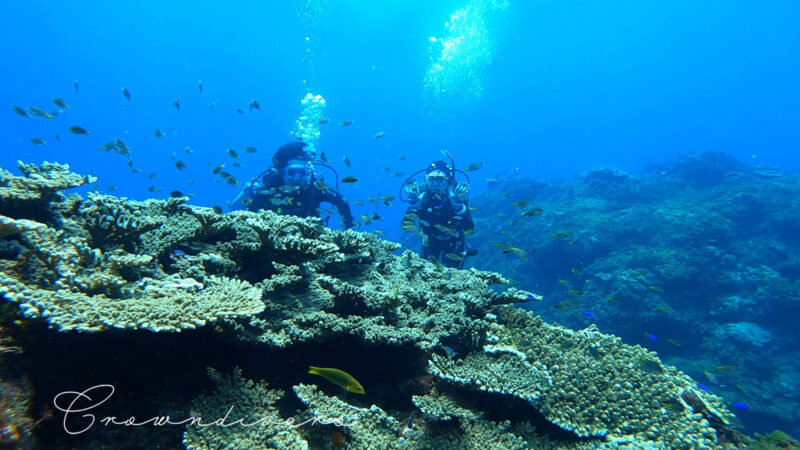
(338, 377)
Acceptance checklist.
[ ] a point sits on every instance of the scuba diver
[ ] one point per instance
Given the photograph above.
(441, 207)
(290, 186)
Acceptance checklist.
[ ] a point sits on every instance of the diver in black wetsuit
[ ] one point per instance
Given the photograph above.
(441, 207)
(290, 187)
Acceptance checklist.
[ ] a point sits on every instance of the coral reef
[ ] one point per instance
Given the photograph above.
(696, 258)
(278, 283)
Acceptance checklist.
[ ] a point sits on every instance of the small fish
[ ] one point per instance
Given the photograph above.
(218, 168)
(111, 187)
(247, 201)
(575, 291)
(154, 189)
(151, 175)
(176, 194)
(19, 111)
(492, 180)
(238, 164)
(379, 135)
(375, 216)
(347, 161)
(200, 86)
(454, 257)
(520, 203)
(674, 342)
(655, 288)
(725, 369)
(587, 313)
(180, 165)
(560, 236)
(319, 184)
(575, 270)
(212, 105)
(188, 150)
(250, 149)
(126, 93)
(652, 336)
(397, 174)
(129, 162)
(78, 130)
(612, 299)
(474, 166)
(359, 203)
(323, 157)
(702, 386)
(37, 141)
(60, 103)
(240, 110)
(39, 112)
(232, 153)
(120, 147)
(254, 104)
(232, 181)
(346, 123)
(403, 157)
(177, 103)
(533, 212)
(158, 133)
(349, 179)
(740, 405)
(562, 307)
(75, 85)
(323, 120)
(58, 138)
(216, 209)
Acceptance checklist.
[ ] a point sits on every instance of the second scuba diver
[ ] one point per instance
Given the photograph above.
(441, 207)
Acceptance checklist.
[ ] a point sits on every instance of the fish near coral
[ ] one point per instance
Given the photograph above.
(338, 377)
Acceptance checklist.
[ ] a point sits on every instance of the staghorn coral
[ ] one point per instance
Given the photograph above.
(495, 372)
(169, 304)
(251, 402)
(38, 182)
(280, 280)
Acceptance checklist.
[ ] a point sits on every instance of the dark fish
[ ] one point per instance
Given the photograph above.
(473, 166)
(60, 103)
(126, 93)
(349, 179)
(78, 130)
(212, 104)
(492, 180)
(397, 174)
(323, 157)
(240, 110)
(218, 168)
(121, 148)
(216, 209)
(232, 153)
(40, 113)
(188, 150)
(379, 134)
(533, 212)
(250, 149)
(19, 111)
(231, 180)
(347, 161)
(177, 103)
(158, 133)
(153, 189)
(151, 176)
(180, 165)
(75, 85)
(200, 86)
(37, 141)
(346, 123)
(176, 194)
(254, 104)
(58, 138)
(323, 120)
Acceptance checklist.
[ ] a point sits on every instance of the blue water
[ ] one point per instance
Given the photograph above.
(564, 86)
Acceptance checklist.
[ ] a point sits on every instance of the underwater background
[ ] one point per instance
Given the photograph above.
(658, 143)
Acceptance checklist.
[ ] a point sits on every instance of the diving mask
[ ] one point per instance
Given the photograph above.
(436, 181)
(297, 174)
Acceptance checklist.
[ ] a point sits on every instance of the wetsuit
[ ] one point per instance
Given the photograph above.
(444, 228)
(273, 195)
